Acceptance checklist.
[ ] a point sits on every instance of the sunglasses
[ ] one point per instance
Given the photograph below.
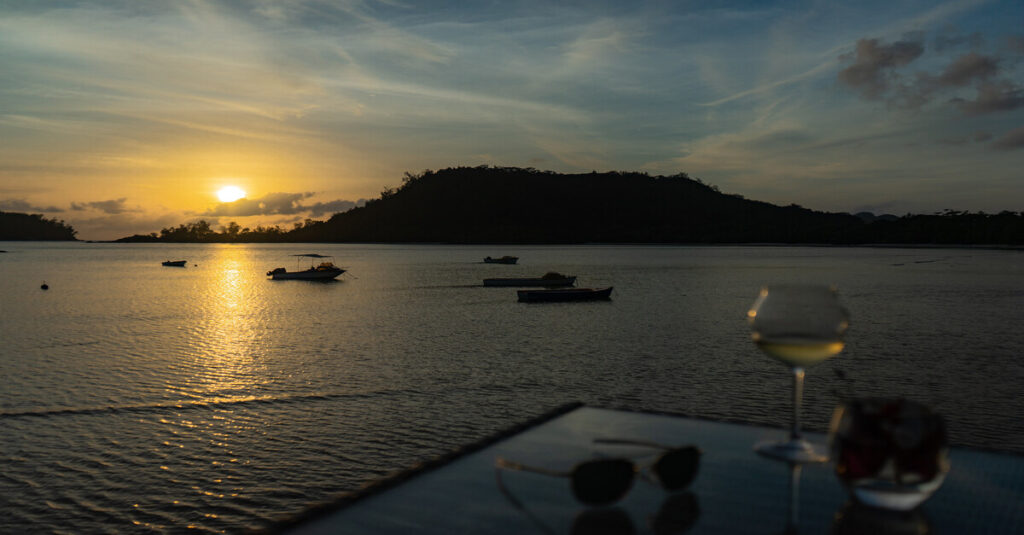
(606, 480)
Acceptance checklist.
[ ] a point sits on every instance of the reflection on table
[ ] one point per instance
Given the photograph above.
(735, 490)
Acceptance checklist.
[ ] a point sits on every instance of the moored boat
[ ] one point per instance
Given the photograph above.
(174, 263)
(325, 270)
(501, 260)
(565, 294)
(550, 279)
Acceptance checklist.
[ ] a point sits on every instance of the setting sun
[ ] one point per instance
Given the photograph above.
(230, 193)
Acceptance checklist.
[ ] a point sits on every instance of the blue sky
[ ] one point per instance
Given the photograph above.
(126, 117)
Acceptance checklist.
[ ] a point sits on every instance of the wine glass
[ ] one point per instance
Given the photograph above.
(799, 325)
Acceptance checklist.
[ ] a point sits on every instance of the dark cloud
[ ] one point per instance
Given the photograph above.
(874, 74)
(1014, 139)
(971, 69)
(980, 137)
(113, 206)
(333, 207)
(872, 63)
(279, 204)
(21, 205)
(1002, 95)
(967, 69)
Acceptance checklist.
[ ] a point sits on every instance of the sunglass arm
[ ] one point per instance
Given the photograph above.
(512, 465)
(627, 442)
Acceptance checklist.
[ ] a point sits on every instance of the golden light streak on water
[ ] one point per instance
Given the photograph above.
(223, 345)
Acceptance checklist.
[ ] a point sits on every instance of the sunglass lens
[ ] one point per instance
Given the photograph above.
(677, 468)
(603, 481)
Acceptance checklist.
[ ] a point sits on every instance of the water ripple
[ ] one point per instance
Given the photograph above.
(192, 404)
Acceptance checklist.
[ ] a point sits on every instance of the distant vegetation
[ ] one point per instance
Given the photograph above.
(515, 205)
(947, 228)
(201, 232)
(35, 227)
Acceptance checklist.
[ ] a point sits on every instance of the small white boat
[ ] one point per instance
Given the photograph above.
(325, 270)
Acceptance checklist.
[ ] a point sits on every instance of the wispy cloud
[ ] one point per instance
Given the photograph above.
(21, 205)
(950, 38)
(114, 226)
(774, 85)
(113, 206)
(598, 46)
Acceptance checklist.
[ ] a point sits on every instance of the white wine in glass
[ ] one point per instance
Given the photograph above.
(799, 325)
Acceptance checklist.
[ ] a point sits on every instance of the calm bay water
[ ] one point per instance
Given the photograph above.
(142, 398)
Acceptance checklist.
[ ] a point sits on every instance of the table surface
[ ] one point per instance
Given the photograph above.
(735, 491)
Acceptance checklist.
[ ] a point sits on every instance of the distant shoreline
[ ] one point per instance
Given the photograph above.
(998, 247)
(508, 206)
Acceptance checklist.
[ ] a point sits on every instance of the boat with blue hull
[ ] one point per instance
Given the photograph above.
(550, 279)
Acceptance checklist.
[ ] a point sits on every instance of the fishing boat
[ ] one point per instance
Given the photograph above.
(325, 270)
(565, 294)
(174, 263)
(501, 260)
(550, 279)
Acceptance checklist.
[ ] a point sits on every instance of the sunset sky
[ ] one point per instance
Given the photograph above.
(124, 117)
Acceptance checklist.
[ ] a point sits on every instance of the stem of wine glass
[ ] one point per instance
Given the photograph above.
(798, 394)
(794, 497)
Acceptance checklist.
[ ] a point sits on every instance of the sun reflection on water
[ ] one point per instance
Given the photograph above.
(225, 331)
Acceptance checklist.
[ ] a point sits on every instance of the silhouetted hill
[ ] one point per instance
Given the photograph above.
(513, 205)
(16, 226)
